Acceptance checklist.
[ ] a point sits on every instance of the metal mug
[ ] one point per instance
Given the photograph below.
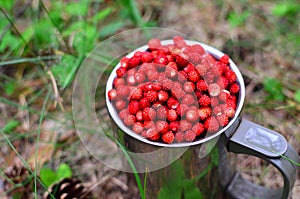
(240, 136)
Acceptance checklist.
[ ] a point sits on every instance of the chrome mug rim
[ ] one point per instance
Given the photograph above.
(213, 51)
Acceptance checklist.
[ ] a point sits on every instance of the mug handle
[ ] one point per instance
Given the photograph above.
(253, 139)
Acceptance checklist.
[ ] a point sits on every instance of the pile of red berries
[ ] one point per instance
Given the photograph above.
(175, 92)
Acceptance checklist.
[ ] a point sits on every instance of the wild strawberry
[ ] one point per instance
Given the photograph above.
(198, 49)
(204, 113)
(222, 119)
(156, 105)
(154, 44)
(185, 125)
(189, 136)
(149, 113)
(120, 104)
(177, 92)
(171, 70)
(174, 126)
(209, 77)
(221, 67)
(151, 95)
(147, 57)
(180, 61)
(224, 94)
(198, 94)
(139, 77)
(230, 76)
(121, 72)
(214, 89)
(139, 116)
(182, 76)
(151, 132)
(161, 60)
(179, 137)
(156, 86)
(171, 115)
(138, 54)
(194, 57)
(143, 103)
(211, 125)
(148, 124)
(168, 137)
(123, 114)
(124, 62)
(198, 129)
(155, 137)
(129, 120)
(161, 113)
(222, 82)
(118, 82)
(192, 115)
(136, 94)
(138, 127)
(167, 83)
(162, 96)
(224, 59)
(204, 100)
(182, 109)
(188, 87)
(134, 62)
(162, 126)
(201, 85)
(201, 69)
(234, 88)
(130, 80)
(123, 91)
(152, 75)
(172, 103)
(230, 112)
(179, 41)
(133, 107)
(188, 99)
(214, 101)
(190, 67)
(112, 94)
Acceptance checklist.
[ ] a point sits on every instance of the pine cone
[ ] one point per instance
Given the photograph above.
(67, 188)
(18, 175)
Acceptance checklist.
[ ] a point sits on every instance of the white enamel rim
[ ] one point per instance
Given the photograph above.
(217, 54)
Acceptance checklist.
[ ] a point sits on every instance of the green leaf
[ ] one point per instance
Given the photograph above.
(102, 14)
(214, 155)
(48, 176)
(236, 19)
(10, 88)
(274, 88)
(11, 125)
(64, 171)
(297, 96)
(77, 9)
(7, 4)
(9, 41)
(285, 9)
(191, 190)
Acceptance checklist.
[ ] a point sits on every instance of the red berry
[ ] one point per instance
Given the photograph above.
(151, 132)
(188, 87)
(121, 72)
(185, 125)
(138, 127)
(230, 76)
(192, 115)
(171, 115)
(149, 113)
(136, 94)
(123, 91)
(211, 125)
(198, 49)
(168, 137)
(162, 126)
(181, 62)
(224, 59)
(149, 124)
(171, 70)
(156, 86)
(147, 57)
(118, 82)
(194, 57)
(177, 92)
(179, 137)
(204, 113)
(204, 100)
(161, 113)
(151, 95)
(222, 119)
(201, 69)
(123, 114)
(214, 89)
(152, 75)
(224, 94)
(139, 115)
(112, 94)
(129, 120)
(201, 85)
(139, 77)
(155, 137)
(120, 104)
(230, 112)
(179, 41)
(162, 60)
(143, 103)
(182, 76)
(189, 135)
(172, 103)
(124, 62)
(188, 99)
(182, 109)
(133, 62)
(198, 129)
(162, 96)
(133, 107)
(234, 88)
(174, 126)
(154, 44)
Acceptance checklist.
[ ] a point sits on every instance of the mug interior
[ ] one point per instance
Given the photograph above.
(211, 50)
